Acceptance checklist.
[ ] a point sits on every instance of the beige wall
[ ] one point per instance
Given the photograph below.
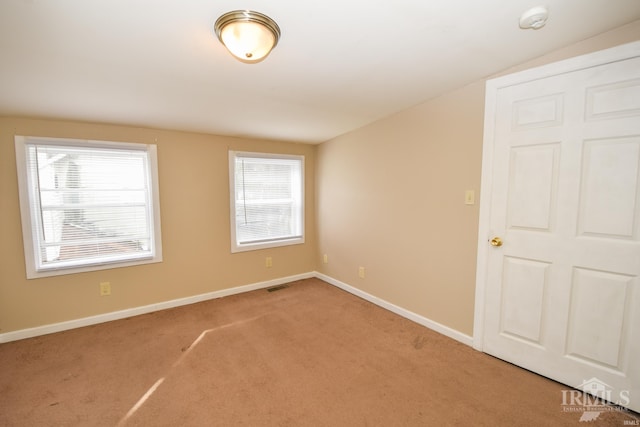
(194, 199)
(391, 199)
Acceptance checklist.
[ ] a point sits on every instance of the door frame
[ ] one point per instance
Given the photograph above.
(614, 54)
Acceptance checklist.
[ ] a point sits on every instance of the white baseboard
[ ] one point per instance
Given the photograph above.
(438, 327)
(122, 314)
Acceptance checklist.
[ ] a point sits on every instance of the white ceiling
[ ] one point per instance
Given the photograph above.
(340, 64)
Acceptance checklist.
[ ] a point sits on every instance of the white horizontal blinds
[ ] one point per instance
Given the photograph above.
(268, 199)
(89, 205)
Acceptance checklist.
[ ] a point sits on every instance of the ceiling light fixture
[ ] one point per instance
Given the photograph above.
(249, 36)
(534, 18)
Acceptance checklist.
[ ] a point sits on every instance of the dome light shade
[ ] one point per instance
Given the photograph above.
(249, 36)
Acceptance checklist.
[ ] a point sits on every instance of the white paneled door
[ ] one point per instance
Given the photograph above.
(559, 247)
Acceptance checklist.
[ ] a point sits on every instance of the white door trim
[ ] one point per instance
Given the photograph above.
(602, 57)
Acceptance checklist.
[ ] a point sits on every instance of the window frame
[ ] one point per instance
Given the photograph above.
(286, 241)
(28, 209)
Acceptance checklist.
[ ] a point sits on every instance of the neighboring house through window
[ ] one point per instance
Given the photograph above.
(87, 205)
(267, 200)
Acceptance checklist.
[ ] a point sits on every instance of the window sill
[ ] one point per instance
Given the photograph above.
(266, 245)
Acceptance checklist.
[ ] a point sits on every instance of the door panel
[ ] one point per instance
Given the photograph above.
(538, 112)
(562, 294)
(598, 310)
(523, 290)
(615, 100)
(609, 191)
(533, 174)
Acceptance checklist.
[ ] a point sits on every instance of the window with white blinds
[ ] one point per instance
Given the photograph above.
(87, 205)
(267, 200)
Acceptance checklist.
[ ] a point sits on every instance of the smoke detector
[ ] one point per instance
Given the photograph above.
(534, 18)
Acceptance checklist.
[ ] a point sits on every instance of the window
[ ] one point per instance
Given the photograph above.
(267, 200)
(87, 205)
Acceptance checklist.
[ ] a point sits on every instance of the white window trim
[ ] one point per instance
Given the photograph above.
(26, 212)
(235, 247)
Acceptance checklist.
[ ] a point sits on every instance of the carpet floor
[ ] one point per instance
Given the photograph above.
(306, 355)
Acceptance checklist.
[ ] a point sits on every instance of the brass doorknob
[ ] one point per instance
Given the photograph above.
(496, 241)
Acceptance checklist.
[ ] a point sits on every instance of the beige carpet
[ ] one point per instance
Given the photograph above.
(306, 355)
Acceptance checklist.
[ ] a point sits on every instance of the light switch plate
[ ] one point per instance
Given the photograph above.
(469, 197)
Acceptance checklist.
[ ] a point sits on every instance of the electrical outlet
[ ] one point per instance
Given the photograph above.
(105, 289)
(268, 262)
(361, 272)
(325, 259)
